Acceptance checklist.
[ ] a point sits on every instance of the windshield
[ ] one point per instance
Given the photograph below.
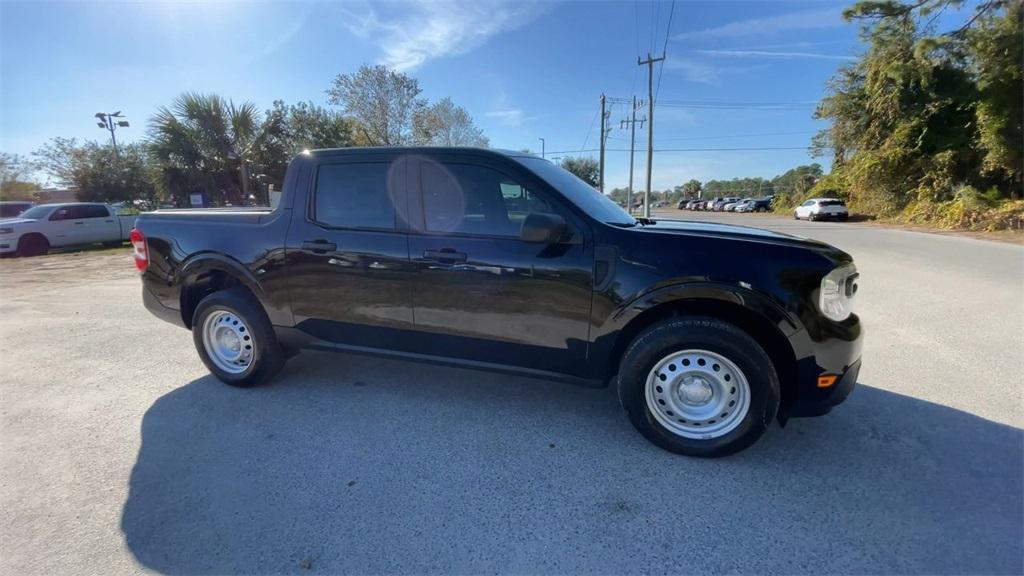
(36, 213)
(579, 192)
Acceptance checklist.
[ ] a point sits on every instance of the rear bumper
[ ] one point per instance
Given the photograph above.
(167, 314)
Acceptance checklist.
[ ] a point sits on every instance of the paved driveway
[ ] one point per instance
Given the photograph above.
(119, 454)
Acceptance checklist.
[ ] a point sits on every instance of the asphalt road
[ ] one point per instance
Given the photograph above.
(119, 454)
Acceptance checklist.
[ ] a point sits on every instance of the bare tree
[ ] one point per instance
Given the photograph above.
(445, 124)
(383, 101)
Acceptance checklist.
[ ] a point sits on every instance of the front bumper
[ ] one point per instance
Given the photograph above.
(833, 355)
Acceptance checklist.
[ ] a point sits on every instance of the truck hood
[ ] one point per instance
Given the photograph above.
(740, 233)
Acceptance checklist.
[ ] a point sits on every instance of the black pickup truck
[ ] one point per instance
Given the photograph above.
(503, 261)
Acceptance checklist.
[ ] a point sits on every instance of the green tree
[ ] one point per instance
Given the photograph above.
(993, 49)
(691, 189)
(586, 169)
(204, 143)
(383, 102)
(445, 124)
(15, 178)
(97, 172)
(794, 185)
(922, 113)
(618, 195)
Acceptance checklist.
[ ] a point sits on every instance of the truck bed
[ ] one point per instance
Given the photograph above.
(239, 215)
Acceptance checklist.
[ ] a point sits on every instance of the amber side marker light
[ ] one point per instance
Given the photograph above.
(827, 380)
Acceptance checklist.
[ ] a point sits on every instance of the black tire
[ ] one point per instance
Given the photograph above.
(33, 245)
(268, 356)
(666, 337)
(795, 216)
(811, 217)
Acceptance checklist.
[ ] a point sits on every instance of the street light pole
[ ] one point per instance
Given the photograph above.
(107, 122)
(542, 145)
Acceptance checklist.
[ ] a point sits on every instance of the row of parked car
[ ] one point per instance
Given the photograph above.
(728, 204)
(813, 209)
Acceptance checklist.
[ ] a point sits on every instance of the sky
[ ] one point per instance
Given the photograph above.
(736, 74)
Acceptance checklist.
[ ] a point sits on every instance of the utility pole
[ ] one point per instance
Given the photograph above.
(542, 145)
(632, 148)
(650, 125)
(600, 180)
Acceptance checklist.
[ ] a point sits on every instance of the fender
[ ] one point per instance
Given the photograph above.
(614, 334)
(748, 298)
(204, 262)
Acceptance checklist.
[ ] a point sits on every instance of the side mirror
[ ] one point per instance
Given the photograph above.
(543, 227)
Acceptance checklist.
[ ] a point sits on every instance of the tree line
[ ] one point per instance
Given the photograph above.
(234, 153)
(927, 122)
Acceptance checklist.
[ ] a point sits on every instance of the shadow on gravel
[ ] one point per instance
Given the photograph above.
(350, 464)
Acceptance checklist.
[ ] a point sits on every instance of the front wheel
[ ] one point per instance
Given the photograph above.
(698, 386)
(235, 339)
(33, 245)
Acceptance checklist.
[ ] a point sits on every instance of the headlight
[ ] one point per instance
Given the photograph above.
(6, 230)
(838, 287)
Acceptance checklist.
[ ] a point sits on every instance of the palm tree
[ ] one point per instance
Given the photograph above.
(204, 142)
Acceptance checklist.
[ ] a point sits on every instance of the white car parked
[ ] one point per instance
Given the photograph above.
(821, 209)
(36, 230)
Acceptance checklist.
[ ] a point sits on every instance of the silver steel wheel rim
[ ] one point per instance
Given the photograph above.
(228, 342)
(697, 394)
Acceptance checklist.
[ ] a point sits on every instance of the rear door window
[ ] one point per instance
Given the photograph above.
(355, 195)
(93, 211)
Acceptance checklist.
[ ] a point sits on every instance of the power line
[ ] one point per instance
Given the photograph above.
(664, 49)
(589, 130)
(738, 136)
(659, 150)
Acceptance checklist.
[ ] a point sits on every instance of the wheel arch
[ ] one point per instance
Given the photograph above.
(205, 274)
(748, 312)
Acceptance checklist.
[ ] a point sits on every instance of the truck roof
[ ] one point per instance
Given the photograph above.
(419, 149)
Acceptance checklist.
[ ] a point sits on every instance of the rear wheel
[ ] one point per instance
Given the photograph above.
(698, 386)
(33, 245)
(235, 339)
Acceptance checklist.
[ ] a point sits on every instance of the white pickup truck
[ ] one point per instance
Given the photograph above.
(46, 226)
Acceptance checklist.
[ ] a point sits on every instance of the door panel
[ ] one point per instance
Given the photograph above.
(65, 228)
(481, 292)
(348, 259)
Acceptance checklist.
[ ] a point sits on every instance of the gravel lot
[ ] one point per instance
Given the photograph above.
(118, 454)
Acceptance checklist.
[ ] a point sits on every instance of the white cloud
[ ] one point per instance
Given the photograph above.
(509, 117)
(414, 32)
(693, 70)
(803, 20)
(771, 54)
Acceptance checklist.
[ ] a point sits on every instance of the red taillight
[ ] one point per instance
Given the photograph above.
(139, 251)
